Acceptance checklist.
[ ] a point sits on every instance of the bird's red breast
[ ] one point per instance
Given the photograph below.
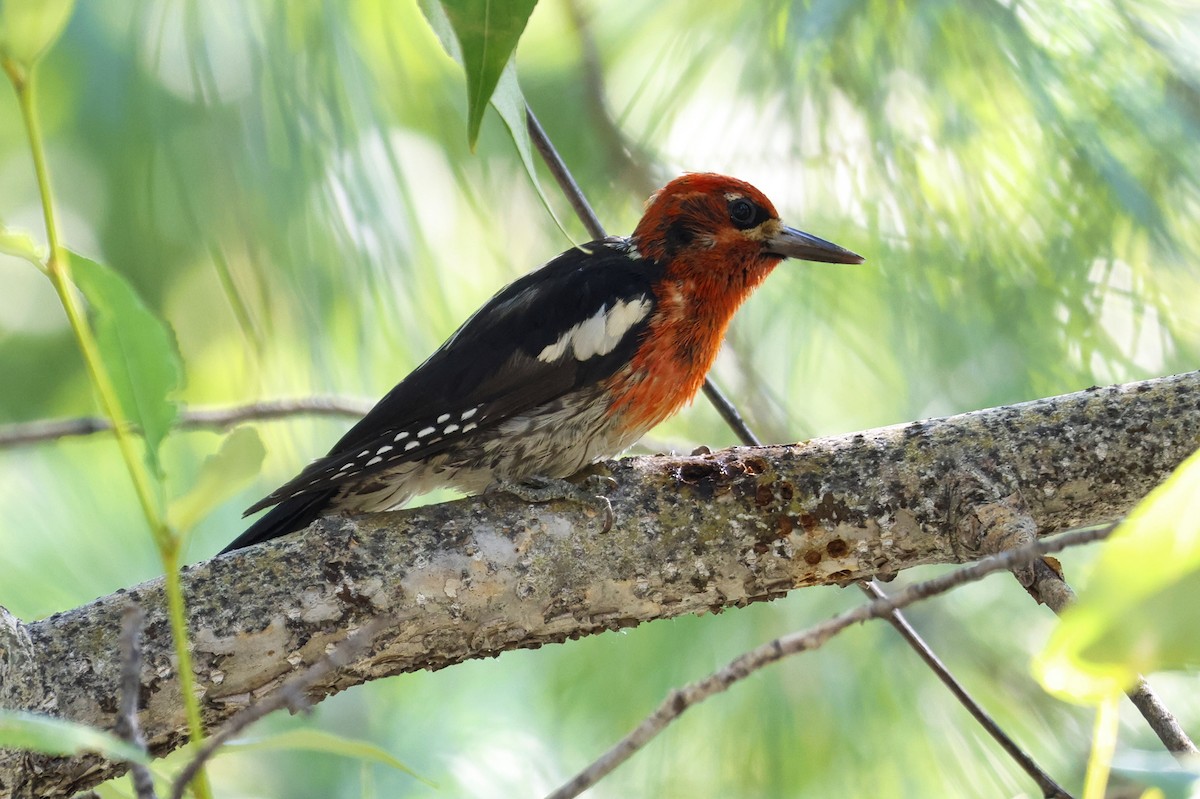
(710, 267)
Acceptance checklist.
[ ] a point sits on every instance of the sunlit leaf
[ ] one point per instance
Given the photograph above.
(20, 244)
(222, 475)
(320, 741)
(29, 27)
(53, 736)
(487, 32)
(138, 349)
(506, 98)
(1140, 610)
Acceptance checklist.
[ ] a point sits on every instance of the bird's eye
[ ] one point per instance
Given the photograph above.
(742, 213)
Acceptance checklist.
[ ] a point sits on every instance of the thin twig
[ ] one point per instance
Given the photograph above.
(562, 175)
(741, 667)
(1049, 787)
(1044, 781)
(1050, 588)
(290, 694)
(1020, 757)
(729, 412)
(127, 726)
(198, 418)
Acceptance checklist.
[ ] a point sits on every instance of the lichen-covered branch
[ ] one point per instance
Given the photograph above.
(474, 578)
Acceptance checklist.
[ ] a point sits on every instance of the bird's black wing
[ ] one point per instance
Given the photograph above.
(525, 347)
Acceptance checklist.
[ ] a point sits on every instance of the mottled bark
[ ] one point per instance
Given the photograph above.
(477, 577)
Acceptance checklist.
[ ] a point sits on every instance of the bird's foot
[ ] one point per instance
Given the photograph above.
(590, 492)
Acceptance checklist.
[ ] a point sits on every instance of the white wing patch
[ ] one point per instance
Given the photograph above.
(598, 334)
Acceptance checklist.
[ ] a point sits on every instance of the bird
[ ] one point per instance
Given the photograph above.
(566, 366)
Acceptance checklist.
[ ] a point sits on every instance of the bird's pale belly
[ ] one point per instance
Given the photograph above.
(556, 440)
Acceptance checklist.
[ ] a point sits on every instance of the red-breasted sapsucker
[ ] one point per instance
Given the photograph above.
(569, 364)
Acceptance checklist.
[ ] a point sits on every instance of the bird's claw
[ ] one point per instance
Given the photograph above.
(601, 483)
(547, 489)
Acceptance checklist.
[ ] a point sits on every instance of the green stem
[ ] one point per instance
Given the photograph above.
(1104, 743)
(177, 612)
(58, 268)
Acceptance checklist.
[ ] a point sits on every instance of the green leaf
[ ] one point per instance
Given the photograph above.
(320, 741)
(487, 32)
(21, 245)
(509, 102)
(1141, 608)
(29, 27)
(223, 474)
(53, 736)
(138, 349)
(506, 98)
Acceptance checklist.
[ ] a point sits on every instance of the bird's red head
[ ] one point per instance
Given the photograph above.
(704, 218)
(716, 239)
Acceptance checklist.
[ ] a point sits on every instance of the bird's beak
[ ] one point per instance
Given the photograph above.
(792, 243)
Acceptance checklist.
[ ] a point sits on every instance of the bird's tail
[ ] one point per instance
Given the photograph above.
(286, 517)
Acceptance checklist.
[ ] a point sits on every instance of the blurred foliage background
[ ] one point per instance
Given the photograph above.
(289, 185)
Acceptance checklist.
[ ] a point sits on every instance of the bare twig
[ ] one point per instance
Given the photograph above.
(211, 418)
(562, 175)
(1050, 588)
(744, 665)
(127, 725)
(1049, 787)
(729, 412)
(290, 694)
(275, 409)
(1020, 756)
(1162, 721)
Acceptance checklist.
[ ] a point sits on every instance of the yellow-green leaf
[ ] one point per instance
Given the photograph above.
(320, 741)
(29, 27)
(20, 244)
(223, 474)
(487, 32)
(51, 736)
(1140, 610)
(138, 350)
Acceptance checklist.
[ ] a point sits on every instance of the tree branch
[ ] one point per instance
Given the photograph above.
(477, 577)
(22, 433)
(291, 694)
(1011, 748)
